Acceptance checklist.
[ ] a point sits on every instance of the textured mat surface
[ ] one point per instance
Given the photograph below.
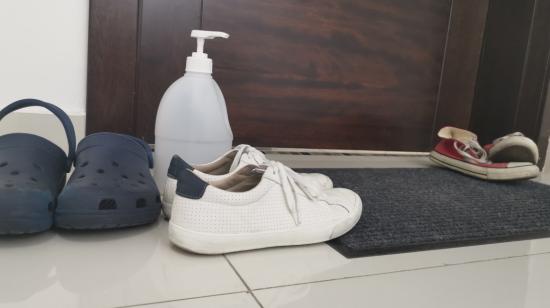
(432, 208)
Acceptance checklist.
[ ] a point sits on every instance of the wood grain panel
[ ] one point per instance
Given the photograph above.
(502, 68)
(513, 75)
(330, 74)
(534, 99)
(535, 73)
(112, 44)
(460, 68)
(164, 47)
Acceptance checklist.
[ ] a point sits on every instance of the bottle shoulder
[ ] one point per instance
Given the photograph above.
(192, 90)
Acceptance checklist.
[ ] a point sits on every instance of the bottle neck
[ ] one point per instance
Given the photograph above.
(199, 62)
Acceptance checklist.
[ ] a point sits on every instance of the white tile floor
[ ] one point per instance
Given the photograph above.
(138, 267)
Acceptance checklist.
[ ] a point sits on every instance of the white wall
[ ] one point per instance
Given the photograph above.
(43, 52)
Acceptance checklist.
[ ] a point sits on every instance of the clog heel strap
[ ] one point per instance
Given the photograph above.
(58, 112)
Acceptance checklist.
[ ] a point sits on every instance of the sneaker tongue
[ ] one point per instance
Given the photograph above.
(454, 133)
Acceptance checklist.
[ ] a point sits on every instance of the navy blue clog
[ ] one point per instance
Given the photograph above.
(32, 173)
(111, 186)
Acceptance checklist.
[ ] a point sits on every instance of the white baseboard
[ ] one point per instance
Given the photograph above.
(43, 124)
(338, 152)
(49, 127)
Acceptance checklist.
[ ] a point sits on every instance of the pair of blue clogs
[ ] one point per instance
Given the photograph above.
(111, 185)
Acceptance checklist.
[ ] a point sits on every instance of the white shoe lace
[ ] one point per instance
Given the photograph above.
(259, 158)
(466, 148)
(256, 155)
(291, 182)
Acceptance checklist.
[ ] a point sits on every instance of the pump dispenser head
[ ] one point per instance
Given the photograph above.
(199, 62)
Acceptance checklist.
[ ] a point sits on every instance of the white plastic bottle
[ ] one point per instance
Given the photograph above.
(192, 117)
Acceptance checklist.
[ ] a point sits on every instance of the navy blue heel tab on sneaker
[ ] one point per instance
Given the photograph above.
(58, 112)
(177, 164)
(189, 185)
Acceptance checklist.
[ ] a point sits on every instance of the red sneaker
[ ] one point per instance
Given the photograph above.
(460, 151)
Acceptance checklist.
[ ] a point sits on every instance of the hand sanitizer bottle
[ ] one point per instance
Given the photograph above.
(192, 117)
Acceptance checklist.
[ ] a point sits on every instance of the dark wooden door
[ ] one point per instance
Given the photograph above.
(331, 74)
(344, 74)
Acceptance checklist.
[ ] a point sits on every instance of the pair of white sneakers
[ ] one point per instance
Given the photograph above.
(244, 201)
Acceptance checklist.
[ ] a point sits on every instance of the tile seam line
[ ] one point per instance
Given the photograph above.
(182, 299)
(243, 281)
(399, 271)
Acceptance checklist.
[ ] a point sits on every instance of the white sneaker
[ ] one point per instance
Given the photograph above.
(225, 166)
(258, 207)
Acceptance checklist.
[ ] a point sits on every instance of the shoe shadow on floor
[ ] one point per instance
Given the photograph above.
(105, 258)
(27, 265)
(85, 263)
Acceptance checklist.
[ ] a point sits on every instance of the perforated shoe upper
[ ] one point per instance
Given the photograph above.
(225, 166)
(264, 208)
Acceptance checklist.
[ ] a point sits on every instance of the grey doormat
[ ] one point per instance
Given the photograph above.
(432, 208)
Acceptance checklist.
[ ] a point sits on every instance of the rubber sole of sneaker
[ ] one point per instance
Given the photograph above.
(492, 174)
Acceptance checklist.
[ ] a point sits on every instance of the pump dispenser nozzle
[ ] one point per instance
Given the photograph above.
(199, 61)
